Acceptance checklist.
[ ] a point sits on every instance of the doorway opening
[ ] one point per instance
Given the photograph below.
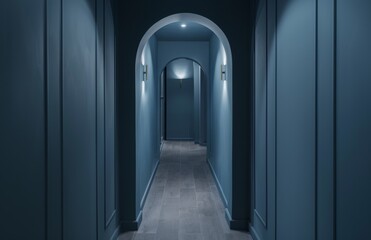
(183, 98)
(194, 106)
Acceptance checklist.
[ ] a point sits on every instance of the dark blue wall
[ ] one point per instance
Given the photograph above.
(260, 166)
(57, 120)
(311, 168)
(22, 121)
(148, 134)
(106, 99)
(295, 120)
(352, 126)
(78, 120)
(220, 123)
(180, 98)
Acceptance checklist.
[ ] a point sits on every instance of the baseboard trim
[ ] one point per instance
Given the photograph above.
(139, 219)
(235, 224)
(131, 225)
(253, 233)
(227, 216)
(225, 202)
(115, 234)
(144, 198)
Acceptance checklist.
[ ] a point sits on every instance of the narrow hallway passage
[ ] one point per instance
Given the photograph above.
(184, 202)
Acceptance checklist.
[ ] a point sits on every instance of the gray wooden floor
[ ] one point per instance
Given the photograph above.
(183, 202)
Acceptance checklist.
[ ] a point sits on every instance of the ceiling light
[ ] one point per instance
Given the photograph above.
(183, 25)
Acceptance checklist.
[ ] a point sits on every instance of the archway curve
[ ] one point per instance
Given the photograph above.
(177, 58)
(187, 17)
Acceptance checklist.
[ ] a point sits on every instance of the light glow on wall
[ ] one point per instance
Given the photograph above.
(224, 55)
(180, 73)
(143, 96)
(142, 57)
(224, 92)
(181, 69)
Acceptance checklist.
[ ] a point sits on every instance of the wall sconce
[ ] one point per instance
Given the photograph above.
(145, 72)
(223, 72)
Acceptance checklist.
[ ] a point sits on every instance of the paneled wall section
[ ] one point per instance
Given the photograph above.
(58, 120)
(310, 120)
(23, 132)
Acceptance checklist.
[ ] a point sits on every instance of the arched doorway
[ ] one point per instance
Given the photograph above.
(183, 82)
(219, 104)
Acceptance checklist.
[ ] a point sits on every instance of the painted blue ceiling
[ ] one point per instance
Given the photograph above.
(193, 32)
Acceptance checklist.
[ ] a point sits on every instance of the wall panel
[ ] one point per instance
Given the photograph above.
(322, 119)
(261, 84)
(50, 95)
(79, 120)
(54, 183)
(325, 120)
(110, 157)
(353, 117)
(219, 106)
(147, 126)
(296, 130)
(23, 86)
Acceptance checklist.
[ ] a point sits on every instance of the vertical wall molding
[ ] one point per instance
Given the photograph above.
(275, 117)
(100, 123)
(265, 222)
(106, 225)
(96, 122)
(109, 217)
(316, 124)
(325, 120)
(46, 132)
(106, 222)
(61, 81)
(334, 119)
(260, 228)
(260, 80)
(53, 119)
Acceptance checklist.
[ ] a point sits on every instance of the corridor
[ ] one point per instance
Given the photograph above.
(184, 202)
(185, 120)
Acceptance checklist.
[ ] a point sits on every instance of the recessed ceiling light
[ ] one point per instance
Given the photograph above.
(183, 25)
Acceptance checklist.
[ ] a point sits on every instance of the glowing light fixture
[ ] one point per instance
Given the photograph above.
(183, 25)
(145, 72)
(223, 72)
